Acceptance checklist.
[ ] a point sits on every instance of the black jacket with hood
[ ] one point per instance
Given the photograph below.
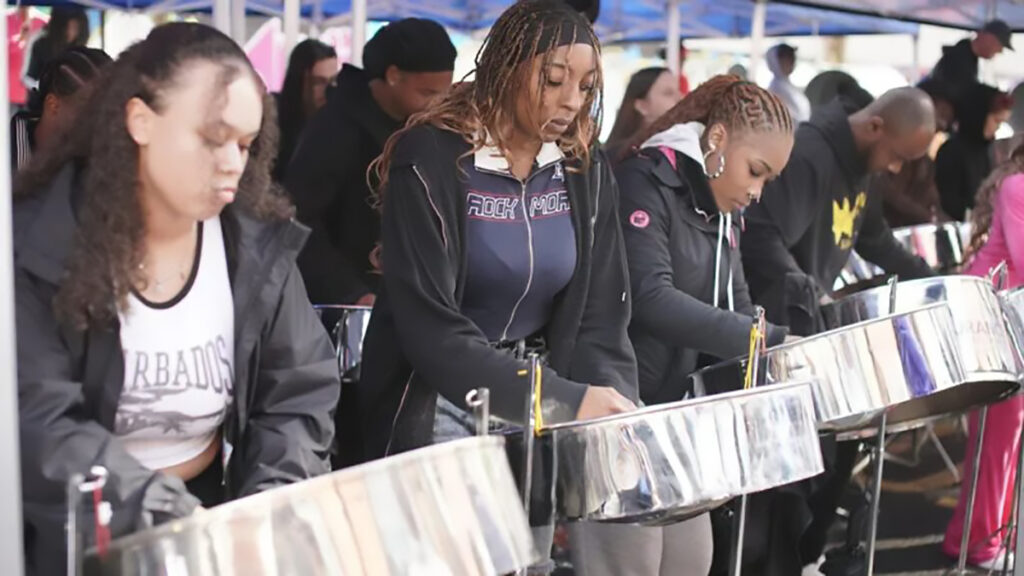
(69, 381)
(965, 160)
(419, 344)
(327, 181)
(799, 237)
(685, 315)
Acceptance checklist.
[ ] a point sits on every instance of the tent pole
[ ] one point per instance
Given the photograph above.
(672, 36)
(358, 35)
(757, 38)
(317, 28)
(10, 469)
(291, 25)
(222, 16)
(915, 77)
(238, 31)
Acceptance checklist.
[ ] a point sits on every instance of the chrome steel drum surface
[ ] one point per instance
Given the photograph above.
(347, 326)
(1013, 305)
(942, 246)
(450, 509)
(907, 365)
(665, 463)
(985, 343)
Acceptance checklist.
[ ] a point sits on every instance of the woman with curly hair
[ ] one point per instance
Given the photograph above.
(162, 327)
(500, 237)
(998, 221)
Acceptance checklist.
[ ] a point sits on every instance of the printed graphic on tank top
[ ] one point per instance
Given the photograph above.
(179, 362)
(521, 244)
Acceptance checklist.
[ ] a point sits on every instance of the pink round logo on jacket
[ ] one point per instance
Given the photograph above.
(639, 219)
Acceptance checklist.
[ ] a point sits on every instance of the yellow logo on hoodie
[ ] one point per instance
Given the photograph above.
(843, 218)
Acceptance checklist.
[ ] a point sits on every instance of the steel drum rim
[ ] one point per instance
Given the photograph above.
(342, 307)
(826, 335)
(671, 406)
(968, 278)
(229, 508)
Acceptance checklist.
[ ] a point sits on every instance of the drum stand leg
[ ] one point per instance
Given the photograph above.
(961, 566)
(739, 527)
(876, 493)
(1015, 534)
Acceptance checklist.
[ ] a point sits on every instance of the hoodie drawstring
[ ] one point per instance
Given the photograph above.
(724, 225)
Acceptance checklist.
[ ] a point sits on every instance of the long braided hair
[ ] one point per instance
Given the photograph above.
(728, 100)
(486, 103)
(108, 248)
(984, 204)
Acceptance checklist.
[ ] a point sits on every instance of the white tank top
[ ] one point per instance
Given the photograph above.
(179, 362)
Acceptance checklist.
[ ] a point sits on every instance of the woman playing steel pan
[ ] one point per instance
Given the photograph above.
(998, 236)
(500, 236)
(163, 329)
(688, 175)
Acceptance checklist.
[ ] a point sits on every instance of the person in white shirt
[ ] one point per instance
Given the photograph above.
(163, 329)
(781, 60)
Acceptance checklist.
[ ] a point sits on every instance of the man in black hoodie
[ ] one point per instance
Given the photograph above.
(406, 65)
(958, 67)
(799, 236)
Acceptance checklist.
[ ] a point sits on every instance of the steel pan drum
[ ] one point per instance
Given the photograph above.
(347, 326)
(1013, 305)
(907, 365)
(665, 463)
(985, 343)
(449, 509)
(942, 246)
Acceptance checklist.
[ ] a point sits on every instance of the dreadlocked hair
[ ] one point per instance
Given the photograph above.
(485, 105)
(728, 100)
(108, 247)
(984, 205)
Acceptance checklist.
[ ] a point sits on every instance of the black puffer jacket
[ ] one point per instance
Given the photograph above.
(69, 382)
(674, 238)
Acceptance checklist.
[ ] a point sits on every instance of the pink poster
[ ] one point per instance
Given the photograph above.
(22, 23)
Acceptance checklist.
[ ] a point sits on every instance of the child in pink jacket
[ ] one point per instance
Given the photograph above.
(998, 236)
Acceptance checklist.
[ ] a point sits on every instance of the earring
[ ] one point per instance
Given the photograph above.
(721, 165)
(707, 155)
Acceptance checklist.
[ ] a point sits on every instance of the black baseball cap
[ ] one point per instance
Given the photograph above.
(1000, 30)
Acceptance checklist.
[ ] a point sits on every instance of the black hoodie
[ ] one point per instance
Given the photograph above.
(799, 237)
(965, 160)
(327, 181)
(675, 236)
(419, 343)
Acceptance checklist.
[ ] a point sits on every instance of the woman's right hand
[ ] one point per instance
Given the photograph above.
(601, 401)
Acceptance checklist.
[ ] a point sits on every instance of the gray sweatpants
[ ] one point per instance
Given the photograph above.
(682, 549)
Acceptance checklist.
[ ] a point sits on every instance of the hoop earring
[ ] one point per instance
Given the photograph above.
(721, 165)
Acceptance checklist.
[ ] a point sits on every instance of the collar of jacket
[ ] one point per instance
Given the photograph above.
(259, 255)
(832, 124)
(687, 180)
(353, 95)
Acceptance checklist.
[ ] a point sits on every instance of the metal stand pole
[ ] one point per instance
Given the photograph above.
(528, 436)
(739, 527)
(1018, 566)
(1013, 529)
(961, 566)
(876, 498)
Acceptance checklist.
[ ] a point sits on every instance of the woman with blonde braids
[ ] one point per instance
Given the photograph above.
(998, 236)
(500, 237)
(683, 180)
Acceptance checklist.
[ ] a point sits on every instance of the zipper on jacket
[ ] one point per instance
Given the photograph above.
(398, 413)
(529, 277)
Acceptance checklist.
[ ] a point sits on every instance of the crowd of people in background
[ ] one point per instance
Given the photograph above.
(482, 220)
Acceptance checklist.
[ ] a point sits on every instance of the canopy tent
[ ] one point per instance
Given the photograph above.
(965, 14)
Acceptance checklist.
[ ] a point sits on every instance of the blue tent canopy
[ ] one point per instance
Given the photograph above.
(966, 14)
(620, 20)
